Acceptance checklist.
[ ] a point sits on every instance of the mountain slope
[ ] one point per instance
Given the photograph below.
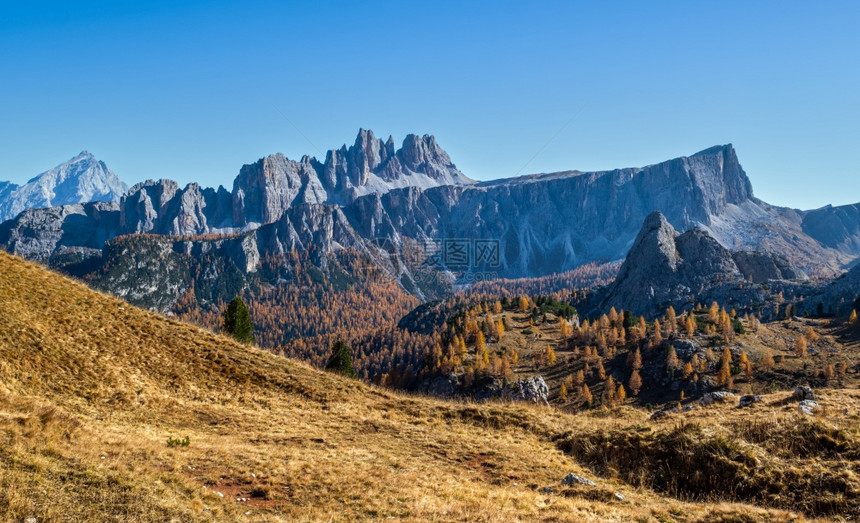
(91, 388)
(79, 180)
(835, 227)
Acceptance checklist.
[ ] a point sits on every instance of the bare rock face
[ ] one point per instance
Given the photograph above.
(320, 228)
(556, 222)
(42, 234)
(264, 190)
(80, 180)
(372, 166)
(533, 390)
(663, 267)
(760, 267)
(145, 205)
(161, 207)
(5, 189)
(423, 155)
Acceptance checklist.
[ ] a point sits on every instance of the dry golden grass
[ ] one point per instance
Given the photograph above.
(91, 388)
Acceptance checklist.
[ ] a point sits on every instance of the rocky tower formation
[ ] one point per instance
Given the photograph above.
(372, 166)
(664, 268)
(82, 179)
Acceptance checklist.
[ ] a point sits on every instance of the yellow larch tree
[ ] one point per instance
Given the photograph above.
(800, 346)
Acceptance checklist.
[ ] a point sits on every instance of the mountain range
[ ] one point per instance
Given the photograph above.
(398, 209)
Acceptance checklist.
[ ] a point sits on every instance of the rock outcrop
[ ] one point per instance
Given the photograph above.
(808, 407)
(664, 268)
(573, 479)
(46, 235)
(759, 267)
(804, 392)
(532, 390)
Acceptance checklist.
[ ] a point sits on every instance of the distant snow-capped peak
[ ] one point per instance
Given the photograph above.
(81, 179)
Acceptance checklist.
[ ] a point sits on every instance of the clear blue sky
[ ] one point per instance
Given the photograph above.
(183, 89)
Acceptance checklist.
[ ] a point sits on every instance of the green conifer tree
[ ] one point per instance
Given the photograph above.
(341, 360)
(237, 321)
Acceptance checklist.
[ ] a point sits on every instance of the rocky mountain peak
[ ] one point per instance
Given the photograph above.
(81, 179)
(373, 166)
(417, 152)
(83, 155)
(727, 149)
(720, 175)
(654, 246)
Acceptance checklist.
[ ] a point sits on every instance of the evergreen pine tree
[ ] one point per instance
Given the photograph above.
(237, 321)
(340, 360)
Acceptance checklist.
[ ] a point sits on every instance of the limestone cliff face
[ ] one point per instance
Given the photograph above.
(760, 267)
(552, 223)
(264, 190)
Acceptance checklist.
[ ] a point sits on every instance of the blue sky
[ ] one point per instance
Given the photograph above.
(185, 89)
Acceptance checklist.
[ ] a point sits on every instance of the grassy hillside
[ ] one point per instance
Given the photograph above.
(92, 388)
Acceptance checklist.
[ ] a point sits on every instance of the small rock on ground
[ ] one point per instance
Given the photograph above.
(803, 393)
(807, 407)
(716, 397)
(748, 400)
(572, 478)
